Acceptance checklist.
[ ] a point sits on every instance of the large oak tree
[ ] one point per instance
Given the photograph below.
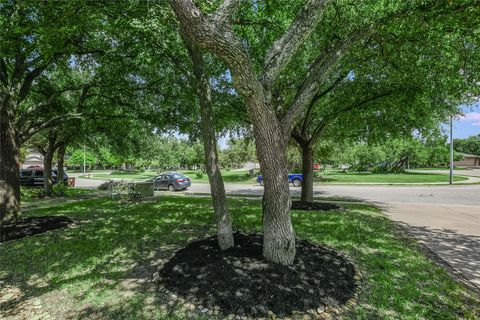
(257, 78)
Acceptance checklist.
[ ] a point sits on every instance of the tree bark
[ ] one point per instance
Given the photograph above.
(278, 233)
(9, 166)
(307, 172)
(61, 163)
(47, 170)
(207, 125)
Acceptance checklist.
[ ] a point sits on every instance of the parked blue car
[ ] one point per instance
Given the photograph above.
(293, 178)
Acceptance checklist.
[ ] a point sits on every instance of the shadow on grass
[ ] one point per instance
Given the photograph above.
(103, 266)
(111, 253)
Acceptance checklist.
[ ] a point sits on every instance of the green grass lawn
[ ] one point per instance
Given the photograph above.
(102, 267)
(332, 176)
(127, 175)
(441, 168)
(409, 177)
(231, 176)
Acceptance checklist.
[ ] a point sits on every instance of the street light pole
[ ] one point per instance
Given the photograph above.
(451, 149)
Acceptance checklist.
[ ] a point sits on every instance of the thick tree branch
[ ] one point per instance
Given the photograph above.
(317, 131)
(299, 137)
(313, 81)
(364, 102)
(226, 10)
(286, 46)
(19, 68)
(307, 119)
(39, 126)
(27, 113)
(27, 82)
(3, 72)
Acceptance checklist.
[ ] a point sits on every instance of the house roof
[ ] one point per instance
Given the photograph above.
(469, 155)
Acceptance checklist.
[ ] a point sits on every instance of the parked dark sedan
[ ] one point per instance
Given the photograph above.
(34, 177)
(171, 181)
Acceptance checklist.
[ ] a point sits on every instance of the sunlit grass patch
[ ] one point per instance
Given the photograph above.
(103, 265)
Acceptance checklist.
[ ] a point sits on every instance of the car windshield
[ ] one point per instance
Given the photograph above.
(179, 176)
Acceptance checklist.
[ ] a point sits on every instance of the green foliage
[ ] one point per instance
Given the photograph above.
(75, 158)
(393, 155)
(27, 193)
(237, 153)
(199, 174)
(470, 145)
(60, 189)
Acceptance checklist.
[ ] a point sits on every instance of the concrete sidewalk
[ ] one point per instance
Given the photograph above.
(446, 219)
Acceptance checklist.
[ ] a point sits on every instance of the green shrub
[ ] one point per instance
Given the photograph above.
(60, 188)
(27, 193)
(199, 174)
(296, 169)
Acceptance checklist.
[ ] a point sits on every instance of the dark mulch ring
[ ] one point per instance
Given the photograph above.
(239, 281)
(33, 225)
(314, 206)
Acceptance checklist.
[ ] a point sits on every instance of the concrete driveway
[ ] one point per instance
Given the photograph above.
(85, 183)
(444, 218)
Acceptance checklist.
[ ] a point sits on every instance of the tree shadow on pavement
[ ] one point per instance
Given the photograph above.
(457, 250)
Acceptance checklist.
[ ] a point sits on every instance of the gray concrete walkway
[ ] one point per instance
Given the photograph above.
(444, 218)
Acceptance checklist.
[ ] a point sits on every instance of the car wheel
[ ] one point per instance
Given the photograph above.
(296, 182)
(171, 187)
(261, 182)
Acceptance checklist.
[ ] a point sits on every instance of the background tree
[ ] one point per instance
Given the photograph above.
(94, 66)
(257, 73)
(32, 45)
(470, 145)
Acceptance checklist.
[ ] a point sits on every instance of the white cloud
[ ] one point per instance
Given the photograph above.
(471, 116)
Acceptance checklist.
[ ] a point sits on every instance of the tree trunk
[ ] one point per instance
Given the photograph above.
(278, 233)
(61, 163)
(47, 171)
(9, 167)
(307, 172)
(207, 124)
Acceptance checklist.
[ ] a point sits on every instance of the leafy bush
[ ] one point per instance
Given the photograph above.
(317, 174)
(59, 188)
(199, 174)
(296, 169)
(27, 193)
(119, 186)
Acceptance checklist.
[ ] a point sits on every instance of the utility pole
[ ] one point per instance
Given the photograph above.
(451, 149)
(84, 160)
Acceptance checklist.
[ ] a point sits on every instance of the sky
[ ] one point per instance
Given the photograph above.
(469, 124)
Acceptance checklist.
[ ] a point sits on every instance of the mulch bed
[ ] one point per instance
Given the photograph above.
(314, 206)
(33, 225)
(239, 281)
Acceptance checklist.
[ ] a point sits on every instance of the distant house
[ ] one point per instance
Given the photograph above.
(251, 165)
(469, 160)
(33, 158)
